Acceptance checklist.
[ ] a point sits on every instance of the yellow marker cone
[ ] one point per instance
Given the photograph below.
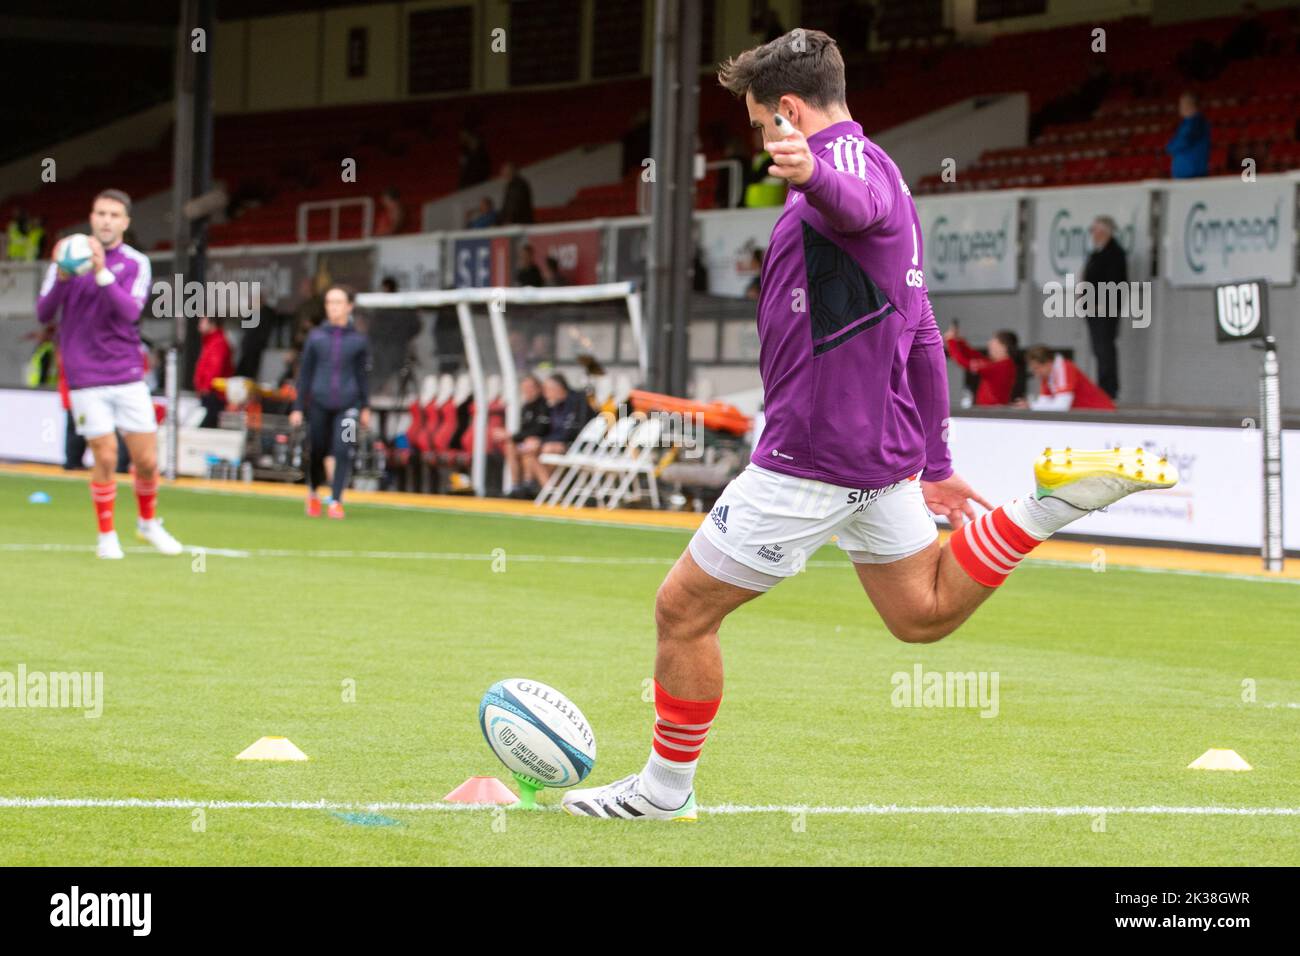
(272, 748)
(1216, 759)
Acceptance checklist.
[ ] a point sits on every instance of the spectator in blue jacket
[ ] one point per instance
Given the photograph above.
(1189, 150)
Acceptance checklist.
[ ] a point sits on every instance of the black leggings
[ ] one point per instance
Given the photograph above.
(333, 433)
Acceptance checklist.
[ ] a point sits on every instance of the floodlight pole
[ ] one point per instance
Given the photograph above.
(182, 190)
(674, 119)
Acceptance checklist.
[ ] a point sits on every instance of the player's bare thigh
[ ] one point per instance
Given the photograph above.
(923, 597)
(692, 603)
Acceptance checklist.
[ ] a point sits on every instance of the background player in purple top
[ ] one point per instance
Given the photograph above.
(99, 338)
(855, 444)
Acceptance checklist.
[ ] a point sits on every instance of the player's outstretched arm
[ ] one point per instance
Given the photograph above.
(842, 191)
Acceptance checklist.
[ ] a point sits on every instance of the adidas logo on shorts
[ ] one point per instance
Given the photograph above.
(719, 516)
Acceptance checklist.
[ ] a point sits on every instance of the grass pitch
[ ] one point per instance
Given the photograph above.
(1109, 684)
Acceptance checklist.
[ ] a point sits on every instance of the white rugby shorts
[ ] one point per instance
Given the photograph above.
(103, 409)
(767, 525)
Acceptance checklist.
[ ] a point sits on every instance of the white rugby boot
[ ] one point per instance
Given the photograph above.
(155, 534)
(623, 800)
(109, 547)
(1091, 480)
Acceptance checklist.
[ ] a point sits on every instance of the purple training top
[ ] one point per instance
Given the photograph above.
(99, 334)
(855, 377)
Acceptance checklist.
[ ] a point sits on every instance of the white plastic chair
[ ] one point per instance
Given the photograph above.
(612, 446)
(567, 464)
(621, 475)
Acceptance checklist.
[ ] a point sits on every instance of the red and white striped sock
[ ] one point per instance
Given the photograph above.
(680, 729)
(146, 497)
(102, 496)
(993, 545)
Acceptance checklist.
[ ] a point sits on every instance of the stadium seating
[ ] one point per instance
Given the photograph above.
(273, 162)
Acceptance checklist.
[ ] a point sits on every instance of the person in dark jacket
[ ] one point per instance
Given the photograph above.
(517, 204)
(568, 411)
(1189, 150)
(534, 423)
(1108, 262)
(334, 391)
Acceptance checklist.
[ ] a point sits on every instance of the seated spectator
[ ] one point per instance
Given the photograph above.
(568, 412)
(1001, 372)
(390, 216)
(1189, 150)
(528, 273)
(534, 425)
(487, 215)
(214, 362)
(517, 203)
(1062, 385)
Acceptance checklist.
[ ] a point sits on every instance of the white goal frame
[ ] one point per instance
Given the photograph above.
(496, 299)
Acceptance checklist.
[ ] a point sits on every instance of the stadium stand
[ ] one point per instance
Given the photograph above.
(1104, 123)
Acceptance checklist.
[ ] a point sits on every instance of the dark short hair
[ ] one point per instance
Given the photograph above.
(388, 284)
(1040, 355)
(559, 379)
(347, 290)
(806, 63)
(116, 195)
(1010, 341)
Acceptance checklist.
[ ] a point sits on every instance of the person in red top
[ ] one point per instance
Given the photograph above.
(214, 362)
(1064, 386)
(1001, 378)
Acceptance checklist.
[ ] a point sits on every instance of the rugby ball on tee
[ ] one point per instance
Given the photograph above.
(74, 254)
(538, 732)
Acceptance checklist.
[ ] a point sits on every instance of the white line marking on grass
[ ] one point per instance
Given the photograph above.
(1187, 572)
(869, 809)
(343, 554)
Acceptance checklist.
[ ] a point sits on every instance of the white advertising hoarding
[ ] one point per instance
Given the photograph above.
(728, 240)
(1218, 501)
(414, 261)
(971, 244)
(1061, 219)
(1222, 230)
